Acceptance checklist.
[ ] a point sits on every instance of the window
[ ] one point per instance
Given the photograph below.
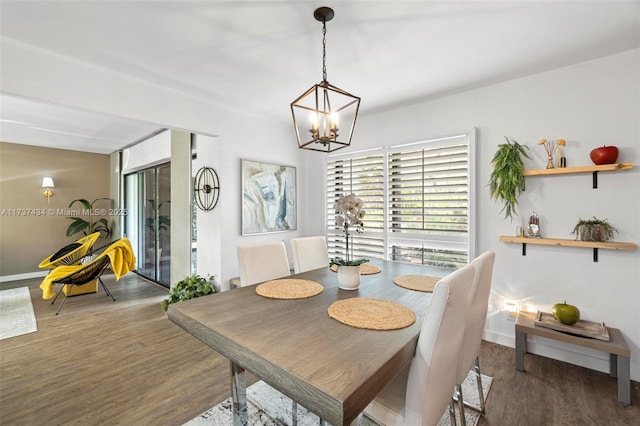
(364, 176)
(418, 199)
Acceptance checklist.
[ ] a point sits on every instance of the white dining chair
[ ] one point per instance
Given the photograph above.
(474, 329)
(309, 253)
(262, 262)
(420, 393)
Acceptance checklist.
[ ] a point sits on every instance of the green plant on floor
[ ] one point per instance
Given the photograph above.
(593, 230)
(94, 224)
(189, 288)
(507, 181)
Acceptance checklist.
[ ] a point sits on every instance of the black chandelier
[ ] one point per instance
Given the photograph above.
(318, 112)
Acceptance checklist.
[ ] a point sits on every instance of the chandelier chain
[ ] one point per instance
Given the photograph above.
(324, 51)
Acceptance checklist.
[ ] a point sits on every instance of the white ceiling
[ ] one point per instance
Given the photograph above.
(260, 55)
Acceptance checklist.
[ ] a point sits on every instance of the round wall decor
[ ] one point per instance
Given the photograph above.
(206, 188)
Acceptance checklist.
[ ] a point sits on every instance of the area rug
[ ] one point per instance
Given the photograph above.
(268, 407)
(16, 313)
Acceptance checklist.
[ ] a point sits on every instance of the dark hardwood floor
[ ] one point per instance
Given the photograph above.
(104, 363)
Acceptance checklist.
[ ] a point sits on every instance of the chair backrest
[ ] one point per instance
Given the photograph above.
(262, 262)
(87, 273)
(474, 329)
(64, 251)
(432, 375)
(309, 253)
(71, 254)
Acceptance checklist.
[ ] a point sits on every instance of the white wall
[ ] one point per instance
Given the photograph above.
(181, 196)
(209, 223)
(588, 104)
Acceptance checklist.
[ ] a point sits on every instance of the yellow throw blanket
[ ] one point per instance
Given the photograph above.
(122, 258)
(122, 261)
(59, 272)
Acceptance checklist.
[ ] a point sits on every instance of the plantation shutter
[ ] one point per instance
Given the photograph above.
(362, 174)
(418, 199)
(428, 202)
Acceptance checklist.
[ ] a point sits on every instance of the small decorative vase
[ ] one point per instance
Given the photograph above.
(550, 163)
(349, 277)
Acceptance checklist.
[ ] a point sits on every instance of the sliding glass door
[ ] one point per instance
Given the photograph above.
(148, 224)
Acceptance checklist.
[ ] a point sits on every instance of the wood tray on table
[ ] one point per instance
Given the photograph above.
(594, 330)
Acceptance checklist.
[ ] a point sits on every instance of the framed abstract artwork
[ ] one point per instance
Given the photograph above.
(269, 201)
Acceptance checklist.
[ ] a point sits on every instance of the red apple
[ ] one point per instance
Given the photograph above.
(604, 155)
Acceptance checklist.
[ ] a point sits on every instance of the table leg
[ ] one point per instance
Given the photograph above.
(239, 395)
(624, 377)
(613, 365)
(521, 348)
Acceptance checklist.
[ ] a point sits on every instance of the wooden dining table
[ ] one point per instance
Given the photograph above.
(332, 369)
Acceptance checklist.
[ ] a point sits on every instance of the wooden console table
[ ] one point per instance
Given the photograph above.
(617, 348)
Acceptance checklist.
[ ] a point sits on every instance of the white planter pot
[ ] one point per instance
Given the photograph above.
(349, 277)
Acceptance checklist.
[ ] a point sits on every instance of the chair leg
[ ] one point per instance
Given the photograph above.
(479, 381)
(294, 413)
(480, 410)
(60, 307)
(452, 413)
(57, 294)
(463, 420)
(106, 289)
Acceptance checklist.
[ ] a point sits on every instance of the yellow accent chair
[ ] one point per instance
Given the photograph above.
(87, 274)
(117, 255)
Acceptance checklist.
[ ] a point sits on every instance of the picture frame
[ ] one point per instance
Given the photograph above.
(269, 197)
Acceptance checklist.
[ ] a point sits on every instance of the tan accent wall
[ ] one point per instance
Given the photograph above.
(28, 237)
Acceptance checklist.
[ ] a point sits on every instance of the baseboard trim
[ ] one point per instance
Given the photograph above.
(19, 277)
(500, 338)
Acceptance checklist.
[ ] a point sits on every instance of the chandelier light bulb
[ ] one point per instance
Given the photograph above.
(313, 119)
(335, 120)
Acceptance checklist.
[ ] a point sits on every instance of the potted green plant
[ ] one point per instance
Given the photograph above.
(507, 180)
(92, 225)
(593, 230)
(189, 288)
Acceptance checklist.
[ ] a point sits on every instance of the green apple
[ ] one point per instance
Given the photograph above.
(566, 314)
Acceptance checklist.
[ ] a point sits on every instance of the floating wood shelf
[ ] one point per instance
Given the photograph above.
(581, 169)
(595, 245)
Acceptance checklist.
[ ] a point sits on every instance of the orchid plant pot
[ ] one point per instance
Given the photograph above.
(349, 277)
(349, 215)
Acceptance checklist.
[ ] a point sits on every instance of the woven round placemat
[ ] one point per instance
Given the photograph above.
(365, 269)
(289, 288)
(417, 282)
(372, 314)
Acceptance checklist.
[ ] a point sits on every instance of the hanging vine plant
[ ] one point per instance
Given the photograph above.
(507, 181)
